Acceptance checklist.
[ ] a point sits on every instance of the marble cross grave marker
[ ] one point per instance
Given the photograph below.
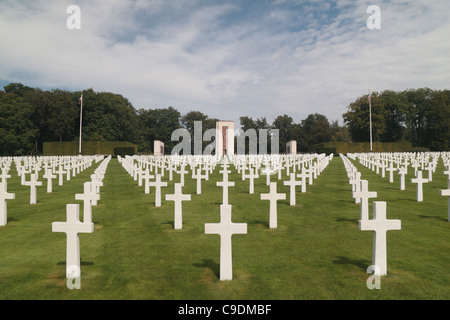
(251, 176)
(381, 226)
(72, 227)
(445, 193)
(225, 229)
(60, 173)
(49, 176)
(4, 195)
(364, 194)
(88, 197)
(419, 189)
(182, 172)
(303, 175)
(225, 184)
(292, 183)
(158, 184)
(33, 183)
(199, 176)
(146, 176)
(273, 197)
(402, 172)
(178, 197)
(391, 170)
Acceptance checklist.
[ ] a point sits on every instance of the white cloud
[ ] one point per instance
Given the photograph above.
(293, 57)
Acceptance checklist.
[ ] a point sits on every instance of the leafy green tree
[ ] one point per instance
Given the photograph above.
(436, 131)
(157, 124)
(108, 116)
(357, 118)
(17, 132)
(339, 133)
(315, 129)
(418, 102)
(17, 88)
(283, 124)
(395, 106)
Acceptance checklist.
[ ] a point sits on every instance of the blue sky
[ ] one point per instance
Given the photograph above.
(231, 58)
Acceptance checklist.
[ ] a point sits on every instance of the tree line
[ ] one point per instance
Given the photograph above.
(31, 116)
(420, 116)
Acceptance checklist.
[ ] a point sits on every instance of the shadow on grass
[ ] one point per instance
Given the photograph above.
(440, 218)
(83, 263)
(353, 221)
(170, 223)
(209, 263)
(263, 223)
(362, 264)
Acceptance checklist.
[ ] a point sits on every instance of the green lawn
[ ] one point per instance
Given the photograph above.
(317, 251)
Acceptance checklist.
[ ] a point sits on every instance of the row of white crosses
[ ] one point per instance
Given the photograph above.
(379, 224)
(399, 162)
(69, 166)
(72, 227)
(32, 166)
(225, 228)
(202, 166)
(446, 192)
(253, 164)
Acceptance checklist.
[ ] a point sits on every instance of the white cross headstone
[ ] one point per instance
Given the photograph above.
(60, 172)
(402, 172)
(146, 176)
(72, 227)
(198, 176)
(292, 183)
(158, 184)
(273, 197)
(430, 169)
(251, 176)
(33, 183)
(182, 172)
(49, 176)
(419, 189)
(364, 194)
(268, 171)
(225, 229)
(303, 175)
(445, 193)
(4, 195)
(225, 184)
(178, 197)
(4, 176)
(380, 225)
(391, 170)
(88, 197)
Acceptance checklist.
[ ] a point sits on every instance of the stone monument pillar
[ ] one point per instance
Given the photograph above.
(158, 148)
(224, 138)
(291, 147)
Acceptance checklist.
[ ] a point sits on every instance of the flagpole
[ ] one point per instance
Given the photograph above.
(81, 121)
(370, 120)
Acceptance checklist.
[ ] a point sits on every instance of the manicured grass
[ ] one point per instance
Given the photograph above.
(317, 251)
